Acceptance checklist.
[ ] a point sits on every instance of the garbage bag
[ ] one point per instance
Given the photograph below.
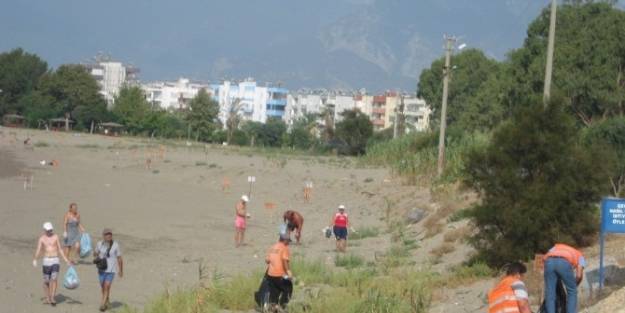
(283, 230)
(328, 232)
(261, 297)
(71, 281)
(85, 245)
(560, 300)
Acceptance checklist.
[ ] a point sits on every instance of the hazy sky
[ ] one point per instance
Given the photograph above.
(376, 44)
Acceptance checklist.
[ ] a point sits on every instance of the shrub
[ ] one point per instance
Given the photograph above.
(41, 144)
(537, 185)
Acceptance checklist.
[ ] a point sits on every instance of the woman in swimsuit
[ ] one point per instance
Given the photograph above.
(73, 230)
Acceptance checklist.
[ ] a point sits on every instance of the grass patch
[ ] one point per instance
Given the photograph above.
(459, 215)
(200, 163)
(457, 234)
(212, 165)
(349, 261)
(466, 274)
(443, 249)
(87, 146)
(41, 144)
(365, 232)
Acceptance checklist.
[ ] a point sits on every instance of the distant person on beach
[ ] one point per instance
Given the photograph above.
(240, 222)
(72, 231)
(50, 245)
(109, 250)
(339, 225)
(279, 273)
(294, 222)
(225, 184)
(308, 186)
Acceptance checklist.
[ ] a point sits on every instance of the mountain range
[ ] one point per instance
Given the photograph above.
(372, 44)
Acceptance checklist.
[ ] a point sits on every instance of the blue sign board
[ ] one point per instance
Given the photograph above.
(613, 215)
(612, 221)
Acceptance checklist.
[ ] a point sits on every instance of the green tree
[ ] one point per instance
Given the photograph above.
(131, 108)
(202, 115)
(589, 66)
(609, 137)
(76, 93)
(38, 108)
(354, 130)
(254, 131)
(537, 185)
(301, 134)
(471, 71)
(19, 76)
(272, 132)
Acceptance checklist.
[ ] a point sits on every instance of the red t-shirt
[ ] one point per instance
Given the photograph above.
(340, 220)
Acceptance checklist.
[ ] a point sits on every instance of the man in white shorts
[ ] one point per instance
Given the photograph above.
(51, 246)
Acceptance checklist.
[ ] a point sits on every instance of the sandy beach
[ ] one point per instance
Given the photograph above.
(170, 218)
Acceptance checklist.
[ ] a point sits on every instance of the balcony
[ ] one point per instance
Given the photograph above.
(378, 122)
(378, 111)
(379, 99)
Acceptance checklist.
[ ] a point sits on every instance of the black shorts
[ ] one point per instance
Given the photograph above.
(340, 233)
(51, 273)
(291, 226)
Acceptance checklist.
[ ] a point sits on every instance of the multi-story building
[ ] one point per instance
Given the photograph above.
(276, 102)
(416, 114)
(173, 95)
(111, 76)
(378, 112)
(248, 100)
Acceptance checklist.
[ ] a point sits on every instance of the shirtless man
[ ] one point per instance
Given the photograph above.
(50, 244)
(294, 222)
(240, 220)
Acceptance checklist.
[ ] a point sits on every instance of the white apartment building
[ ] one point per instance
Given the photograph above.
(172, 95)
(301, 104)
(111, 76)
(417, 114)
(244, 98)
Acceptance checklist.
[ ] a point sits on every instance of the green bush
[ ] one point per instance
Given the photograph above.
(538, 186)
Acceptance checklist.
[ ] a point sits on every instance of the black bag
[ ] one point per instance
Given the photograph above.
(560, 300)
(262, 295)
(101, 263)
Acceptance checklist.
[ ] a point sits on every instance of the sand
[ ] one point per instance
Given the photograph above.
(167, 219)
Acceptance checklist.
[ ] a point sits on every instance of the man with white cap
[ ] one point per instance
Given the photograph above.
(51, 246)
(339, 225)
(240, 220)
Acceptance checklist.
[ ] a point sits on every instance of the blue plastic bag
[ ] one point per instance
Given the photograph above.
(71, 281)
(85, 245)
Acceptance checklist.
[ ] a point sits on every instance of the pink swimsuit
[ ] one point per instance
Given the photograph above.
(239, 222)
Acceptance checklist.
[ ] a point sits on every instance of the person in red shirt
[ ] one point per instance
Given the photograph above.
(294, 222)
(339, 225)
(279, 275)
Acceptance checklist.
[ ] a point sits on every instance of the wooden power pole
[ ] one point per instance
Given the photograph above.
(550, 48)
(449, 46)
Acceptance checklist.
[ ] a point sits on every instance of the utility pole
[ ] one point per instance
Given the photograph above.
(550, 48)
(450, 41)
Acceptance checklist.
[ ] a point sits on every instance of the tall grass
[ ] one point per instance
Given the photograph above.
(415, 156)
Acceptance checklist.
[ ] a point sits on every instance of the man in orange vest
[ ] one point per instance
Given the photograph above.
(563, 263)
(510, 295)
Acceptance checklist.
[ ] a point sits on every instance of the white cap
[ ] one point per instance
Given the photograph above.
(341, 207)
(245, 198)
(47, 226)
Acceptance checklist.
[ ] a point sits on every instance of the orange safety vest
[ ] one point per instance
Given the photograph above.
(501, 299)
(566, 252)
